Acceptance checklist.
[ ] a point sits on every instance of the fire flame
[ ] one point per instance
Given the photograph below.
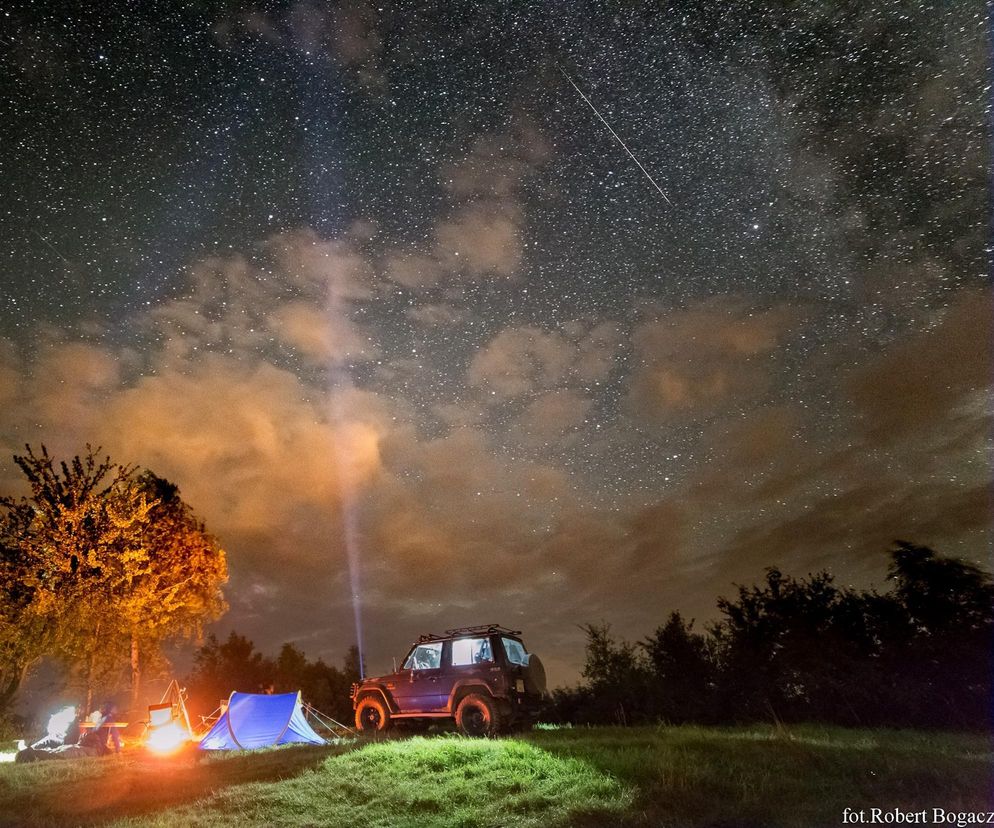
(167, 738)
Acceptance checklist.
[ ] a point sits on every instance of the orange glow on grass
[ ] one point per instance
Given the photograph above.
(167, 738)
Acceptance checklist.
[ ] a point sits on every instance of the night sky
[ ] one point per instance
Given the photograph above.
(372, 282)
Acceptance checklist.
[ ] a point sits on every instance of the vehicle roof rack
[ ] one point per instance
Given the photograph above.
(482, 628)
(430, 637)
(487, 629)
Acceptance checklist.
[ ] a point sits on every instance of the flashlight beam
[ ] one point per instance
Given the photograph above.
(616, 137)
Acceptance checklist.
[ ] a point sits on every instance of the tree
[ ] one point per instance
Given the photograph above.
(99, 561)
(220, 667)
(176, 572)
(617, 675)
(943, 648)
(235, 664)
(682, 670)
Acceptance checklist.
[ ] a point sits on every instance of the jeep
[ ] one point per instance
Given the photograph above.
(482, 677)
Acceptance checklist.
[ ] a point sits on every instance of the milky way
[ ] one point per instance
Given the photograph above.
(298, 255)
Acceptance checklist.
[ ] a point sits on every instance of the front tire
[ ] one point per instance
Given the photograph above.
(371, 715)
(478, 716)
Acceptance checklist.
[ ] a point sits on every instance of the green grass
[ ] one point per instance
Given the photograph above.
(684, 776)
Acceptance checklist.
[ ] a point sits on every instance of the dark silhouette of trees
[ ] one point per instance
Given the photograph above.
(681, 664)
(235, 664)
(790, 650)
(617, 674)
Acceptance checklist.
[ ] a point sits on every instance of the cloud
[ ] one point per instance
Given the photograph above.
(696, 361)
(297, 293)
(551, 415)
(309, 331)
(414, 270)
(520, 361)
(480, 235)
(922, 380)
(527, 359)
(480, 239)
(438, 314)
(454, 516)
(457, 519)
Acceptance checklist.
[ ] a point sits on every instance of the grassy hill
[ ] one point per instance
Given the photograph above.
(682, 776)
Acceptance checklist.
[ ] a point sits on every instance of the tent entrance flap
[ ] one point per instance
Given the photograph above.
(253, 721)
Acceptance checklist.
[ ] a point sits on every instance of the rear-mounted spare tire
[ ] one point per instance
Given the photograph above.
(535, 676)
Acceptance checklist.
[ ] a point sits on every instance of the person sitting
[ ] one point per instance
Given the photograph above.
(102, 738)
(99, 740)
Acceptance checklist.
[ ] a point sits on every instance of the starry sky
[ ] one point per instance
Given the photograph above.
(374, 285)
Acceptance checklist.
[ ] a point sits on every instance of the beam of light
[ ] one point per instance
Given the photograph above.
(350, 519)
(617, 137)
(320, 101)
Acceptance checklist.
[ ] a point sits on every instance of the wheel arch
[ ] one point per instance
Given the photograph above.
(378, 692)
(464, 688)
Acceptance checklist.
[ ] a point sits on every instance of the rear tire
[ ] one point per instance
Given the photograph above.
(478, 716)
(371, 715)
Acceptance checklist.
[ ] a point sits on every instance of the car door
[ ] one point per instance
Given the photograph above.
(417, 688)
(470, 659)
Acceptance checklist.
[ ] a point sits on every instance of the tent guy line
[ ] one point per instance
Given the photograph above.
(617, 137)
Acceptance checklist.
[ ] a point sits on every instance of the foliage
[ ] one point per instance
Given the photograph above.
(793, 650)
(99, 563)
(235, 664)
(618, 677)
(681, 664)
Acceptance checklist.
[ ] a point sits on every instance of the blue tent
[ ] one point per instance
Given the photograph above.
(254, 721)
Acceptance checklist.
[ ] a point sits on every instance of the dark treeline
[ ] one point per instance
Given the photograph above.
(235, 664)
(919, 654)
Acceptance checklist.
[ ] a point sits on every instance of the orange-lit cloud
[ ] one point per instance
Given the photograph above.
(695, 361)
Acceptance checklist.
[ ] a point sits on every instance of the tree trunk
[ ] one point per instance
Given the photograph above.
(12, 683)
(90, 667)
(136, 671)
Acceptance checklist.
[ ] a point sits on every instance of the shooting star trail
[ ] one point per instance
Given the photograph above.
(52, 247)
(617, 137)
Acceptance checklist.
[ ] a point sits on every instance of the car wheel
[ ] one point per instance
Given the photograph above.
(478, 716)
(371, 715)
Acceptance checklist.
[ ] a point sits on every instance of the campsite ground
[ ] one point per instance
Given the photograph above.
(682, 776)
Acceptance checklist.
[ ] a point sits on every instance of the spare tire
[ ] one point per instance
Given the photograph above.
(535, 676)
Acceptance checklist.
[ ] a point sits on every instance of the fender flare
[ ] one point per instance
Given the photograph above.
(474, 685)
(375, 690)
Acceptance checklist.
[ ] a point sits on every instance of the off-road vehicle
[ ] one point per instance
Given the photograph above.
(483, 677)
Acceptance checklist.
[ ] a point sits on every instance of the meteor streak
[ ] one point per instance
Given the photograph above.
(617, 137)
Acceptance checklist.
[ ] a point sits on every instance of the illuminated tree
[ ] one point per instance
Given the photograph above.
(169, 583)
(99, 564)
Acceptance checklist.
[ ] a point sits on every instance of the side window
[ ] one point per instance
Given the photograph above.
(425, 657)
(515, 652)
(471, 651)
